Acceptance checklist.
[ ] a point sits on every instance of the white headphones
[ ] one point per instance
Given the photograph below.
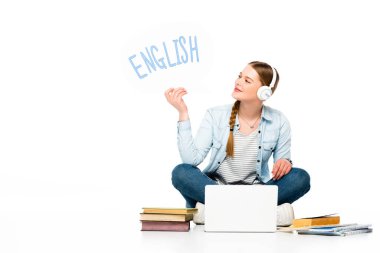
(265, 92)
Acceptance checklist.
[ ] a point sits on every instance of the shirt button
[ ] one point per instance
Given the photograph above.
(259, 147)
(258, 161)
(218, 162)
(259, 131)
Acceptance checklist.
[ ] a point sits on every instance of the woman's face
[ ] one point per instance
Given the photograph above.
(246, 85)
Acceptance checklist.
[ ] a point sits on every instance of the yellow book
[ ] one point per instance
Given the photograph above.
(165, 217)
(169, 210)
(315, 221)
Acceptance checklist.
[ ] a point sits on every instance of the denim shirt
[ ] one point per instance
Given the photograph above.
(273, 138)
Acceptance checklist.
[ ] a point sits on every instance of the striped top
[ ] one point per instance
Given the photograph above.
(241, 168)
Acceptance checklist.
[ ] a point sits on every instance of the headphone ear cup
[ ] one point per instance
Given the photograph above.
(264, 93)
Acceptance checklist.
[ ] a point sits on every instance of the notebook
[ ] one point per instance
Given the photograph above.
(240, 208)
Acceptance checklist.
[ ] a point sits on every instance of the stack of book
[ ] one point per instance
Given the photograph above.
(325, 225)
(166, 219)
(340, 230)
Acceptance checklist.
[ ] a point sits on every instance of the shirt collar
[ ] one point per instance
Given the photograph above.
(266, 113)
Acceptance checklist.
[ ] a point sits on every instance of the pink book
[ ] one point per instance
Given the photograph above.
(165, 226)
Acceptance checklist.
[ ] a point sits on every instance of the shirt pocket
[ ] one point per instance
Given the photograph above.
(268, 148)
(216, 144)
(215, 149)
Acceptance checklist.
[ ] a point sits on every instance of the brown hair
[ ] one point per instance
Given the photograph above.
(230, 143)
(265, 73)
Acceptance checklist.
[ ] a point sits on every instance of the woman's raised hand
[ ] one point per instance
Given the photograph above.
(174, 97)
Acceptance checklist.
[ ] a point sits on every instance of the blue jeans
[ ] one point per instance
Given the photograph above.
(191, 183)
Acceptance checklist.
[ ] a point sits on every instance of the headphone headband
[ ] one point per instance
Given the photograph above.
(265, 92)
(274, 78)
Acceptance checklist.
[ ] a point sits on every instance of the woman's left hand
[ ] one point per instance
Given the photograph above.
(281, 168)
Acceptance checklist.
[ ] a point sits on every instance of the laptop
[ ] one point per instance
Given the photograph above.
(241, 208)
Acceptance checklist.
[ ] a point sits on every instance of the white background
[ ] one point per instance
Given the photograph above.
(84, 143)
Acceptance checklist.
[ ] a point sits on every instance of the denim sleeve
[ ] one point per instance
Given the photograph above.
(282, 150)
(194, 150)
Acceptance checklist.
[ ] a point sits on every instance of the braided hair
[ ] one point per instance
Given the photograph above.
(230, 143)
